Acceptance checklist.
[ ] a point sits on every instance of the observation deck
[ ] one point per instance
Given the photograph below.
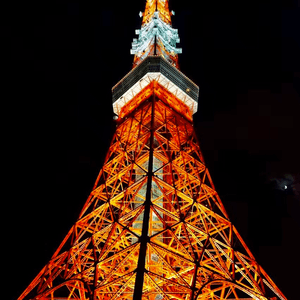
(155, 68)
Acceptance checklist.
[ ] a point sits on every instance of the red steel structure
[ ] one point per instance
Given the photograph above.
(153, 226)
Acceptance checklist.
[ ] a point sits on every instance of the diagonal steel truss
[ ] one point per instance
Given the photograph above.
(153, 226)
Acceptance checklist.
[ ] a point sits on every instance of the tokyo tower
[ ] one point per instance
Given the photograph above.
(153, 226)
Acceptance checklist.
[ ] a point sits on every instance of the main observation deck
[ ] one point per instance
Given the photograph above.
(155, 68)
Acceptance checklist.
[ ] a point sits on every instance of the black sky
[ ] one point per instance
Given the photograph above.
(61, 61)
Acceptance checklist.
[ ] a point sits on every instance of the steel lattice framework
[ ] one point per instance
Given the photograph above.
(153, 226)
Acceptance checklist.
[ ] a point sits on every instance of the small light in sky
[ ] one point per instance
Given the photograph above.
(285, 187)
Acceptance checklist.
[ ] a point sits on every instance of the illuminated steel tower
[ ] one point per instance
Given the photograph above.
(153, 226)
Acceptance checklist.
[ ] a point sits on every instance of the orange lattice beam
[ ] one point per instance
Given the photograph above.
(157, 5)
(154, 226)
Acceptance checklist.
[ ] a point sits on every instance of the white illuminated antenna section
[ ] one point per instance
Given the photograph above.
(156, 34)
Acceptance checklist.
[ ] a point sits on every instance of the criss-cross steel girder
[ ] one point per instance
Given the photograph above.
(153, 226)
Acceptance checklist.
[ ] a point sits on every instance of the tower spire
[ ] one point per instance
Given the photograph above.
(156, 36)
(162, 6)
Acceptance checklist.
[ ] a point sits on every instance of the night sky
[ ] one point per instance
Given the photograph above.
(61, 61)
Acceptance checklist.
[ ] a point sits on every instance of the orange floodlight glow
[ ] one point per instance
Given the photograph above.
(153, 226)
